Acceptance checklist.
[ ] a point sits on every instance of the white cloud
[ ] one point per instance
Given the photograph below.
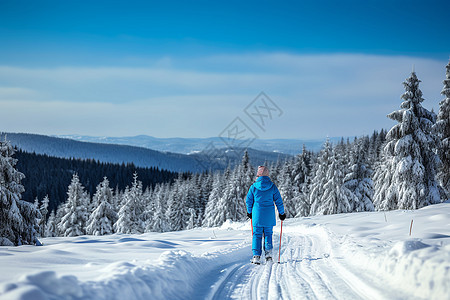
(338, 94)
(16, 93)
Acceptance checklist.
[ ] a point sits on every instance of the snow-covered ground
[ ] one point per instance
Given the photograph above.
(346, 256)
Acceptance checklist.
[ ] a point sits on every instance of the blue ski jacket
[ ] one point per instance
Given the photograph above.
(260, 202)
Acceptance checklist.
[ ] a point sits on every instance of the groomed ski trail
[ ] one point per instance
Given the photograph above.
(310, 268)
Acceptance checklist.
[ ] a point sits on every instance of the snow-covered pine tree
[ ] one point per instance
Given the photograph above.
(192, 217)
(228, 194)
(358, 181)
(341, 150)
(31, 215)
(176, 209)
(60, 212)
(301, 173)
(380, 143)
(44, 211)
(17, 217)
(130, 214)
(376, 144)
(248, 175)
(92, 205)
(331, 198)
(319, 178)
(233, 199)
(51, 226)
(159, 222)
(39, 219)
(275, 169)
(205, 182)
(244, 178)
(286, 189)
(442, 129)
(73, 223)
(123, 221)
(337, 198)
(190, 191)
(103, 217)
(372, 154)
(214, 215)
(150, 207)
(405, 178)
(117, 200)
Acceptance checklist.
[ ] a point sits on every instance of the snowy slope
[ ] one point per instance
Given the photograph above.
(347, 256)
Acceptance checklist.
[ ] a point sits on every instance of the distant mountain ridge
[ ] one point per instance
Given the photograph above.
(194, 145)
(219, 159)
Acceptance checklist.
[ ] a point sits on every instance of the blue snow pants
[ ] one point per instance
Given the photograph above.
(257, 239)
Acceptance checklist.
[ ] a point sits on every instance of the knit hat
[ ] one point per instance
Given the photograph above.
(262, 171)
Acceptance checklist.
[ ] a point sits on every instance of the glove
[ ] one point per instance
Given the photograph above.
(249, 215)
(282, 216)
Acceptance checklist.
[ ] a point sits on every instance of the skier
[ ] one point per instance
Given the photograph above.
(260, 208)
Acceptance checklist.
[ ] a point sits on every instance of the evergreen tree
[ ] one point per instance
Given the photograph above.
(73, 223)
(237, 188)
(405, 178)
(287, 189)
(233, 200)
(442, 129)
(31, 215)
(191, 222)
(247, 175)
(331, 198)
(150, 207)
(228, 194)
(18, 224)
(301, 168)
(117, 200)
(214, 214)
(103, 217)
(176, 210)
(190, 191)
(51, 226)
(380, 142)
(319, 178)
(205, 182)
(60, 212)
(44, 211)
(159, 222)
(129, 217)
(38, 216)
(301, 173)
(358, 181)
(372, 154)
(275, 170)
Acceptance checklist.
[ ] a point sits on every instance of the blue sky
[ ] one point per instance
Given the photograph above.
(179, 68)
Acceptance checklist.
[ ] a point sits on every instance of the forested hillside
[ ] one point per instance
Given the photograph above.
(46, 175)
(109, 153)
(211, 158)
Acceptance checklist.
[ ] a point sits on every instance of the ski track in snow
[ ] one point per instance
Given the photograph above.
(297, 277)
(305, 272)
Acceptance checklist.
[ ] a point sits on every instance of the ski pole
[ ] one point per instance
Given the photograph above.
(279, 249)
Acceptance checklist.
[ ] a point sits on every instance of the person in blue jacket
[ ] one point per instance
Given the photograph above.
(261, 209)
